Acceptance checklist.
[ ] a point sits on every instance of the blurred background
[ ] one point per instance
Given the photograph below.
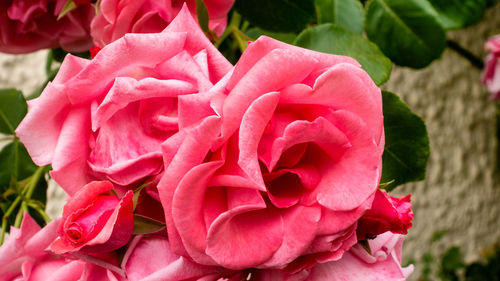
(459, 202)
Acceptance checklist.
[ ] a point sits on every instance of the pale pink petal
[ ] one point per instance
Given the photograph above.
(41, 139)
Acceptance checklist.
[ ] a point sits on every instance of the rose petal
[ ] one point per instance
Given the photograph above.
(245, 237)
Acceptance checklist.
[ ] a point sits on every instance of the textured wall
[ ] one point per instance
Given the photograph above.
(461, 192)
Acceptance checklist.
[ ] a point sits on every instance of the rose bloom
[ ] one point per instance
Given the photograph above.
(491, 73)
(293, 164)
(27, 26)
(105, 119)
(95, 221)
(117, 17)
(23, 256)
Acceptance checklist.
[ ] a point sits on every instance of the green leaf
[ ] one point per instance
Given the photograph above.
(407, 31)
(333, 39)
(68, 7)
(144, 225)
(453, 14)
(256, 32)
(15, 164)
(277, 15)
(202, 13)
(13, 107)
(451, 262)
(406, 143)
(346, 13)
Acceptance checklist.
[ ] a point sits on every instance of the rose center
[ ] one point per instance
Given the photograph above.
(74, 233)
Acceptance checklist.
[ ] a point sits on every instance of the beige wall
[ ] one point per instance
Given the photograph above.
(461, 192)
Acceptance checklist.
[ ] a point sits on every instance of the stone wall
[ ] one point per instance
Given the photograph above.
(461, 193)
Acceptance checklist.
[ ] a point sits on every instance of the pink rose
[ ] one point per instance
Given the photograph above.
(27, 26)
(23, 256)
(117, 17)
(95, 221)
(491, 73)
(105, 119)
(386, 214)
(288, 173)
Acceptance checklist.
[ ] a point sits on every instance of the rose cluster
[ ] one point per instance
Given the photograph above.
(181, 166)
(27, 26)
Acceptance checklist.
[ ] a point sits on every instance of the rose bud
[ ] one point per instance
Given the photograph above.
(491, 73)
(95, 221)
(386, 214)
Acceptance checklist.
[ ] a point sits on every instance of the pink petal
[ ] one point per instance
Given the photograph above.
(196, 41)
(343, 86)
(123, 151)
(355, 176)
(41, 139)
(182, 157)
(264, 45)
(252, 127)
(245, 237)
(187, 208)
(126, 90)
(300, 224)
(184, 67)
(91, 82)
(118, 229)
(273, 72)
(72, 150)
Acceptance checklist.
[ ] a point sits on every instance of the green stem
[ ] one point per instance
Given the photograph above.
(34, 181)
(240, 38)
(6, 217)
(20, 214)
(473, 59)
(235, 22)
(40, 211)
